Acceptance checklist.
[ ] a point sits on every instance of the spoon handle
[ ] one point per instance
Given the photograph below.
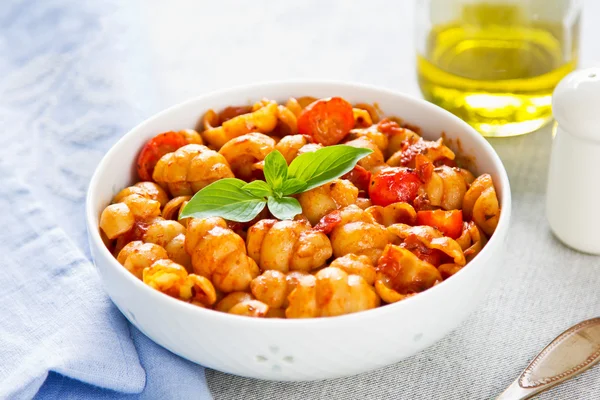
(571, 353)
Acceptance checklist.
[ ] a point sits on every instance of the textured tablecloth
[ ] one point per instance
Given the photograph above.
(72, 81)
(543, 288)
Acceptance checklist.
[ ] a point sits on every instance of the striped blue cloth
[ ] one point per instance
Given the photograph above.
(73, 79)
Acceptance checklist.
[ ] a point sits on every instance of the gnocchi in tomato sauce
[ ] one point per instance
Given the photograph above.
(407, 217)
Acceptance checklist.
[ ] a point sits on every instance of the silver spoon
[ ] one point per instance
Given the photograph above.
(571, 353)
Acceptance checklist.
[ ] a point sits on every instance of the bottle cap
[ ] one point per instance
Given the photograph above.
(576, 104)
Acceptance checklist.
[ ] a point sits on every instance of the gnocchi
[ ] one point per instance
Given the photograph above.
(404, 218)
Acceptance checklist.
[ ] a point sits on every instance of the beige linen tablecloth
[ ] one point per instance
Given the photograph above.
(543, 287)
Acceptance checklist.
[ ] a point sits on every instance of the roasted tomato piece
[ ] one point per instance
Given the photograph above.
(394, 184)
(136, 233)
(154, 149)
(329, 222)
(359, 177)
(407, 275)
(388, 126)
(424, 168)
(415, 246)
(327, 121)
(448, 222)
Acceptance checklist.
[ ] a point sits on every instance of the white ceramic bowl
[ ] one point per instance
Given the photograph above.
(309, 349)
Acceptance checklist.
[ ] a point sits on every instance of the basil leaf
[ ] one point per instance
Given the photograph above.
(224, 198)
(292, 186)
(258, 188)
(276, 169)
(325, 165)
(284, 207)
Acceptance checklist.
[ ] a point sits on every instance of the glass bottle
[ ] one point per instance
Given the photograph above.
(494, 63)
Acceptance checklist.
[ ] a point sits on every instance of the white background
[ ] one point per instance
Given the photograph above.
(200, 46)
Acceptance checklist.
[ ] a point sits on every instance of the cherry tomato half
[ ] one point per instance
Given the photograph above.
(450, 223)
(154, 149)
(327, 121)
(394, 184)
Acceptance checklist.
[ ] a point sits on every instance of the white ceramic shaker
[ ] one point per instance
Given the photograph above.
(573, 195)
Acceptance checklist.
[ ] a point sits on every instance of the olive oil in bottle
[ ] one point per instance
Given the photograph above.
(496, 68)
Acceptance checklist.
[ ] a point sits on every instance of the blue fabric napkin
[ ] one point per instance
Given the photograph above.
(73, 79)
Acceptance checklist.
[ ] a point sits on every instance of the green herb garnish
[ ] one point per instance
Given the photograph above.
(236, 200)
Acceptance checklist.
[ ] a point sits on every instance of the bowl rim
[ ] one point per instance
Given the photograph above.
(96, 241)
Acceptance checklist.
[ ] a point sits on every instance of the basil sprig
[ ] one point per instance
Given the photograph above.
(236, 200)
